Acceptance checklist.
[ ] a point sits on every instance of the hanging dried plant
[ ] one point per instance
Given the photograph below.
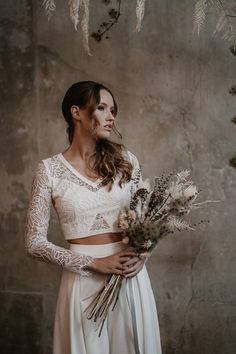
(50, 7)
(74, 10)
(106, 25)
(199, 15)
(139, 13)
(85, 25)
(226, 13)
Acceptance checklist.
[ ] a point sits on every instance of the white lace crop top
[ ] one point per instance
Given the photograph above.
(84, 208)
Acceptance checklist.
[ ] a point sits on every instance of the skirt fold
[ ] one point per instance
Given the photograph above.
(132, 323)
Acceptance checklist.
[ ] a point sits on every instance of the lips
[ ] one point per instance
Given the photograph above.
(108, 127)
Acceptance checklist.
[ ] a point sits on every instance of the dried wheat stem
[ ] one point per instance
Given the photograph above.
(85, 25)
(74, 6)
(140, 6)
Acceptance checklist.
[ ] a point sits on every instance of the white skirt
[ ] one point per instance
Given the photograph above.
(131, 328)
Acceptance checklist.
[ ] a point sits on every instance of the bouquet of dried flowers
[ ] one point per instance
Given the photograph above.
(153, 214)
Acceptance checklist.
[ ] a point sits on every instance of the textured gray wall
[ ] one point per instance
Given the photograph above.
(175, 111)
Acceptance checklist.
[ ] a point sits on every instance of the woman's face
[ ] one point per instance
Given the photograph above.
(103, 115)
(100, 124)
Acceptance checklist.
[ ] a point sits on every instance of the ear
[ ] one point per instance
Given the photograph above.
(75, 112)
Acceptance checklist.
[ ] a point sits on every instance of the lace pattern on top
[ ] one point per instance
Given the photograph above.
(57, 169)
(37, 221)
(38, 215)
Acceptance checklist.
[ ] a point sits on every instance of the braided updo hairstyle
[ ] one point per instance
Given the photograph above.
(109, 157)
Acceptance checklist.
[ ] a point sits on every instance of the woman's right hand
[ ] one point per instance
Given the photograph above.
(111, 264)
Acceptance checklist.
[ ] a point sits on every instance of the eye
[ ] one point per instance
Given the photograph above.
(102, 108)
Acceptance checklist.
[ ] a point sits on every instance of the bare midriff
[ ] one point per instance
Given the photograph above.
(99, 239)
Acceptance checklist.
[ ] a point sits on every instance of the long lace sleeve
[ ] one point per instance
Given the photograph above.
(37, 221)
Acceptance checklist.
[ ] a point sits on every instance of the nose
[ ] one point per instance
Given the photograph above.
(110, 116)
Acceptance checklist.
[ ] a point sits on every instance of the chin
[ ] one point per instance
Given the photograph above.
(104, 135)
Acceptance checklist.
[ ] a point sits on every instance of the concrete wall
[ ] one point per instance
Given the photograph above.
(174, 112)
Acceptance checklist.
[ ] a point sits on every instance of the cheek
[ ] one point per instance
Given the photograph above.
(94, 126)
(97, 120)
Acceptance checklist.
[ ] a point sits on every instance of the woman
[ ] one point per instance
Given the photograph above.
(89, 184)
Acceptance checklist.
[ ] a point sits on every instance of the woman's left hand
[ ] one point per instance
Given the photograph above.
(133, 266)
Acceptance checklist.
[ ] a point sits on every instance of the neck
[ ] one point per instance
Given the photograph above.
(81, 147)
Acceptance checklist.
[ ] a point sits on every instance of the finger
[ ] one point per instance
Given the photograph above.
(131, 261)
(119, 267)
(127, 253)
(131, 274)
(118, 271)
(130, 249)
(124, 259)
(133, 268)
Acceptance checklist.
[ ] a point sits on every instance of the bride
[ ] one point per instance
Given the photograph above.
(88, 184)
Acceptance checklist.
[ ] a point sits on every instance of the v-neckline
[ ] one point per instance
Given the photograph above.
(77, 173)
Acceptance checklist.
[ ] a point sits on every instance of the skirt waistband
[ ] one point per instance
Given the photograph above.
(102, 250)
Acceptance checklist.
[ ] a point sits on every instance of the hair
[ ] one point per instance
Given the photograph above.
(108, 158)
